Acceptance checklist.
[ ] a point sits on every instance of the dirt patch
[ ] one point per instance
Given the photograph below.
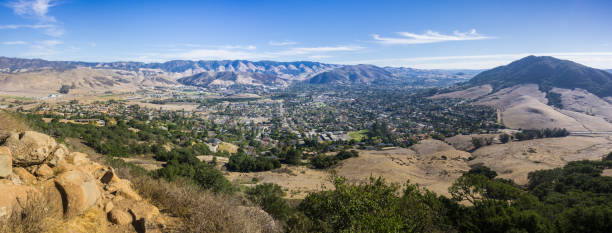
(470, 93)
(515, 160)
(436, 171)
(297, 181)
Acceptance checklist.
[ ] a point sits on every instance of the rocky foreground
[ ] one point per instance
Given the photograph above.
(34, 167)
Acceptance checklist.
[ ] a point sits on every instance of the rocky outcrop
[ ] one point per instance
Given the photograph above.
(34, 165)
(6, 162)
(30, 148)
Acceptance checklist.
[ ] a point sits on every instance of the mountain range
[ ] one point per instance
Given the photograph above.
(21, 75)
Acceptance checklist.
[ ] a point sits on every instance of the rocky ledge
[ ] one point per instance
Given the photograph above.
(34, 165)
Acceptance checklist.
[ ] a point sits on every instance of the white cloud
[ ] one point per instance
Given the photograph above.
(429, 37)
(45, 49)
(19, 42)
(50, 43)
(33, 26)
(33, 8)
(282, 43)
(38, 10)
(240, 52)
(245, 47)
(602, 60)
(308, 50)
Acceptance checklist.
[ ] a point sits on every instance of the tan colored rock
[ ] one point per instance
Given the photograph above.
(143, 210)
(109, 206)
(119, 217)
(53, 197)
(30, 148)
(6, 162)
(123, 188)
(79, 189)
(25, 176)
(14, 197)
(78, 158)
(44, 171)
(60, 153)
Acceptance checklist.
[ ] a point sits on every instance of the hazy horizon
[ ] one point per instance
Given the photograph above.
(424, 35)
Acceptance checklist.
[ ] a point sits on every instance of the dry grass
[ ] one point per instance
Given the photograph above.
(200, 210)
(11, 123)
(37, 216)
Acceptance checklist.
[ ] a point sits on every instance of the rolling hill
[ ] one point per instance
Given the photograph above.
(543, 92)
(547, 72)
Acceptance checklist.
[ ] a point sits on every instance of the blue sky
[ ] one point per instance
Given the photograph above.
(420, 34)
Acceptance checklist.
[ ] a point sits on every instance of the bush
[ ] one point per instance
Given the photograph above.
(245, 163)
(504, 138)
(270, 198)
(323, 161)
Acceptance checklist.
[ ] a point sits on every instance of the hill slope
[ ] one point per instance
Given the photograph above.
(547, 72)
(357, 74)
(543, 92)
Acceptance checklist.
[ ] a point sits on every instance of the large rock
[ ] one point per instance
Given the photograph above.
(79, 190)
(13, 198)
(44, 171)
(6, 162)
(30, 148)
(25, 176)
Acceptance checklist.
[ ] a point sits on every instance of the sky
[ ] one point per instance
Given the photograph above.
(419, 34)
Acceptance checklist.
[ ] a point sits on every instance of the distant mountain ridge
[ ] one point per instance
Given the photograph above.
(287, 70)
(547, 72)
(243, 72)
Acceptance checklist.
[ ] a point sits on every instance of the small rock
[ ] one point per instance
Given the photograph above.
(44, 171)
(143, 210)
(78, 158)
(6, 162)
(109, 206)
(58, 155)
(24, 175)
(123, 188)
(119, 217)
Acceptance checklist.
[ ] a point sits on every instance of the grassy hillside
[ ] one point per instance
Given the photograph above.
(547, 72)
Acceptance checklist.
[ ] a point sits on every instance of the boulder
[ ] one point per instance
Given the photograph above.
(14, 197)
(58, 155)
(53, 197)
(30, 148)
(122, 188)
(79, 190)
(119, 217)
(143, 210)
(44, 171)
(6, 162)
(78, 158)
(25, 176)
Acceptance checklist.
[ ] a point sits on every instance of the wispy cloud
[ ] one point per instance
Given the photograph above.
(429, 37)
(33, 8)
(43, 49)
(308, 50)
(33, 26)
(242, 52)
(19, 42)
(282, 43)
(39, 11)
